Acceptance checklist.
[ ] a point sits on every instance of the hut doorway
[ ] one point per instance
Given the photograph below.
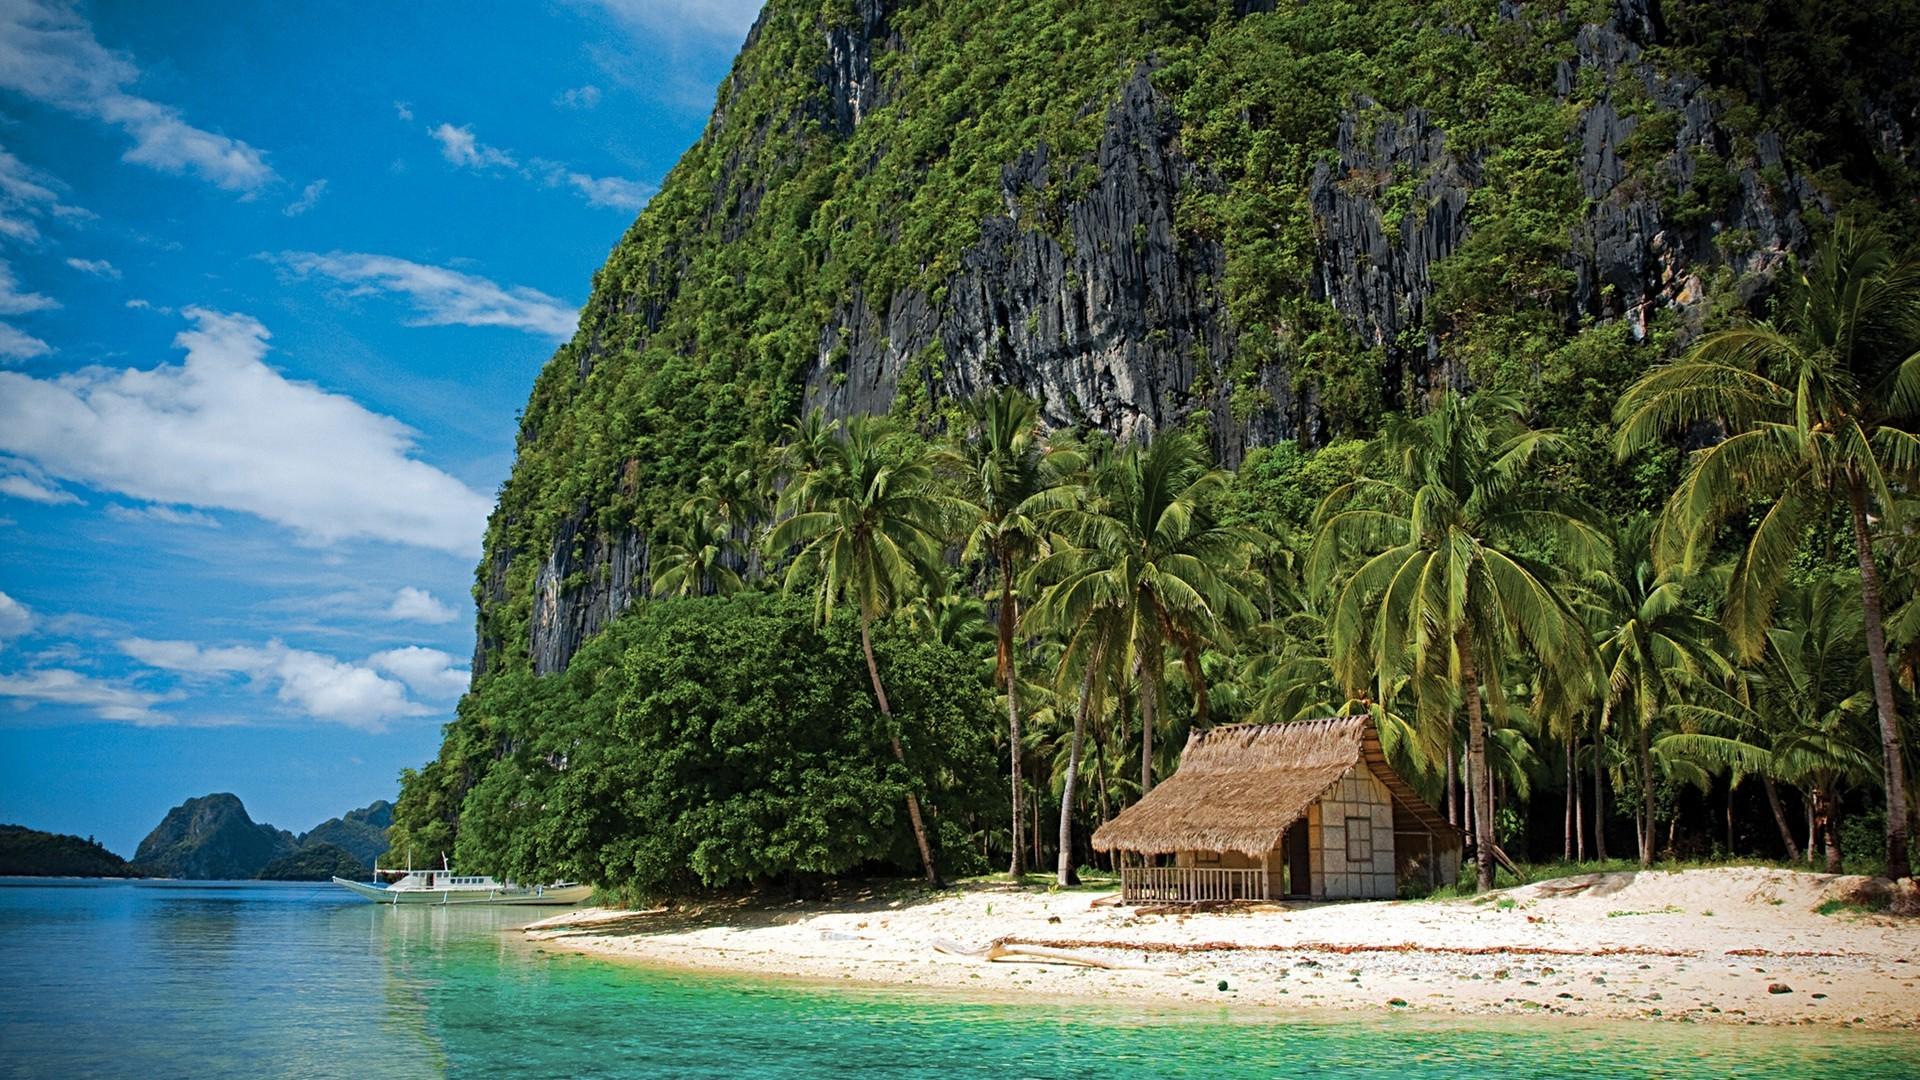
(1299, 860)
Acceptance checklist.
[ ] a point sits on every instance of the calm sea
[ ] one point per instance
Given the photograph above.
(166, 979)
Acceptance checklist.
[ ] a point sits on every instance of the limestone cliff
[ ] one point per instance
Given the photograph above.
(1273, 220)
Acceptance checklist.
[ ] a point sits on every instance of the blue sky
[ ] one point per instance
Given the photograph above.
(274, 283)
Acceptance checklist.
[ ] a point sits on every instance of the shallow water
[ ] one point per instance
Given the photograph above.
(162, 979)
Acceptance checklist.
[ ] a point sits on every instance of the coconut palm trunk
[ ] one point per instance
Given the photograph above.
(1146, 733)
(1780, 818)
(1482, 793)
(899, 754)
(1898, 864)
(1646, 795)
(1008, 670)
(1600, 787)
(1065, 874)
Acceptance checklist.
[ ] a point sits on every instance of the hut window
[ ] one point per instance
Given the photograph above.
(1206, 858)
(1359, 839)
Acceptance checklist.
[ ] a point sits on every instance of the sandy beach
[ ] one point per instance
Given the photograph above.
(1736, 945)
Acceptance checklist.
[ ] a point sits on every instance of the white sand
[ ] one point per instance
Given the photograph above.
(1706, 945)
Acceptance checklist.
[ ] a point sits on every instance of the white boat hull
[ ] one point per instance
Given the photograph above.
(503, 895)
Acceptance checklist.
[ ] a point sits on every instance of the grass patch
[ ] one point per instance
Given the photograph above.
(1847, 907)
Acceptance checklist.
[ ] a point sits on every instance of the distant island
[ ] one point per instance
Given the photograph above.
(210, 838)
(28, 852)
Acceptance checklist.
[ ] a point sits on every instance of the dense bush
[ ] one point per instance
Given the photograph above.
(716, 742)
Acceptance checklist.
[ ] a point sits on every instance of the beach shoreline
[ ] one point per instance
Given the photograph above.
(1729, 946)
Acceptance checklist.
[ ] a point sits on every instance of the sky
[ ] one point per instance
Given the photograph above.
(275, 280)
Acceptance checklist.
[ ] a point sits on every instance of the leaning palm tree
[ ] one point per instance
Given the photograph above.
(1012, 479)
(868, 521)
(1432, 575)
(1820, 405)
(1147, 545)
(1655, 652)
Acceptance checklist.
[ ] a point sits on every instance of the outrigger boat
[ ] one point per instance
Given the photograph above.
(444, 887)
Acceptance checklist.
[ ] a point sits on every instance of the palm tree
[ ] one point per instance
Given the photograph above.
(1094, 658)
(1446, 585)
(1147, 546)
(1013, 480)
(1655, 651)
(1818, 406)
(868, 520)
(694, 559)
(1802, 719)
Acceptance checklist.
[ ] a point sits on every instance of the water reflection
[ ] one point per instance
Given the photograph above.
(179, 979)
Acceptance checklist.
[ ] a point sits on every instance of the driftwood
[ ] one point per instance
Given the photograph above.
(1006, 948)
(1344, 949)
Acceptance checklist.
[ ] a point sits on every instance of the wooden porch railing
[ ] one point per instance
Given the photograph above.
(1190, 884)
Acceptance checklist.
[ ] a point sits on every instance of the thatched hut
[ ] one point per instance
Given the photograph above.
(1308, 809)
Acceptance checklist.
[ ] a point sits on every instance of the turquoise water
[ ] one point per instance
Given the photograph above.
(164, 979)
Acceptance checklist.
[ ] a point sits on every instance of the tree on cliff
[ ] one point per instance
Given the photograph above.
(869, 521)
(1820, 405)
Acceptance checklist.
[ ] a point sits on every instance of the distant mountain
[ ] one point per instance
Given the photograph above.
(28, 852)
(315, 862)
(211, 837)
(361, 833)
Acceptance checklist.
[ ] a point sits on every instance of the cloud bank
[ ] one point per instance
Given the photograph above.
(224, 431)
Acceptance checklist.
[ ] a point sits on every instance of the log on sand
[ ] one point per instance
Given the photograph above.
(1006, 948)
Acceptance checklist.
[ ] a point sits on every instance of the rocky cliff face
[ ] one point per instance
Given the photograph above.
(1090, 290)
(211, 838)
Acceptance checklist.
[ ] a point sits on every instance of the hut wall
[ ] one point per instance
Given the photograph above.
(1351, 835)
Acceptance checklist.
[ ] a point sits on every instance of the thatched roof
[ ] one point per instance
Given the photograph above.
(1240, 788)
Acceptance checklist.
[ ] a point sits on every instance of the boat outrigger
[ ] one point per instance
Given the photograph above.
(444, 887)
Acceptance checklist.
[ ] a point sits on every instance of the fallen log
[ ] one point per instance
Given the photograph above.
(1004, 948)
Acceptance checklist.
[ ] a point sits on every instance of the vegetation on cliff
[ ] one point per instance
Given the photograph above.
(28, 852)
(1285, 241)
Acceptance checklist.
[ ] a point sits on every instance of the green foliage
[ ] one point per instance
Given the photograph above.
(28, 852)
(728, 741)
(315, 862)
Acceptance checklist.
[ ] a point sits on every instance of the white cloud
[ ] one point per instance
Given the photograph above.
(15, 619)
(674, 18)
(458, 145)
(442, 297)
(580, 97)
(48, 53)
(96, 267)
(26, 194)
(166, 515)
(610, 192)
(429, 672)
(317, 685)
(15, 302)
(419, 605)
(309, 195)
(25, 487)
(59, 686)
(404, 111)
(225, 431)
(16, 344)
